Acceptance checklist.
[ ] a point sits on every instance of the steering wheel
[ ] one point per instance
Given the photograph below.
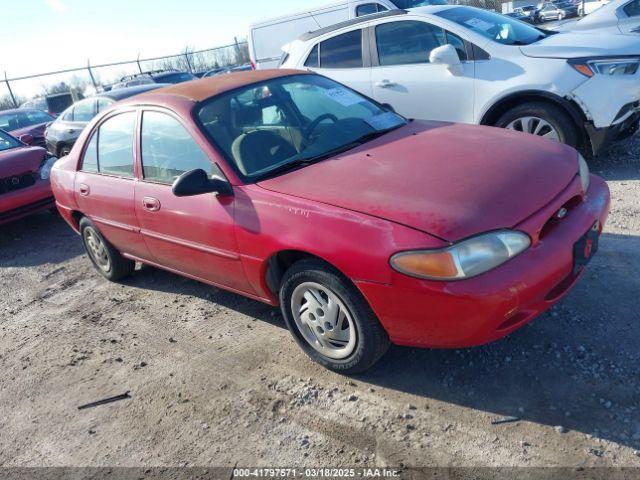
(313, 125)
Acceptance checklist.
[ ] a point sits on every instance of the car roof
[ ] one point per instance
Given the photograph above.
(122, 93)
(202, 89)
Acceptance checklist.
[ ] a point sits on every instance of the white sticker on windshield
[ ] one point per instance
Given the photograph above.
(384, 121)
(479, 24)
(343, 96)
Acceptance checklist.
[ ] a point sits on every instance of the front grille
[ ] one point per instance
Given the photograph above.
(17, 182)
(554, 221)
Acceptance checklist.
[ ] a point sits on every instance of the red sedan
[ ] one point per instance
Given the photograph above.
(24, 179)
(365, 228)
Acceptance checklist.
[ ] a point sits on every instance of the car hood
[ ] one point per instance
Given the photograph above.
(449, 180)
(20, 160)
(583, 44)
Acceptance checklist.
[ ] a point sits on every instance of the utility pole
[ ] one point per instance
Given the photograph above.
(13, 98)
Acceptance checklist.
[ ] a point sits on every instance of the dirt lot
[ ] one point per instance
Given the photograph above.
(215, 379)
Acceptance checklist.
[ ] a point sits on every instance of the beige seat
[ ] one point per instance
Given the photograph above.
(259, 149)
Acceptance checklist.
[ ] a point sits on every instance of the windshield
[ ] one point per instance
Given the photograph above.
(404, 4)
(267, 127)
(23, 119)
(499, 28)
(7, 142)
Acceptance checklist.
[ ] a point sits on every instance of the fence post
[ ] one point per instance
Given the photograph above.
(93, 80)
(186, 56)
(13, 98)
(138, 62)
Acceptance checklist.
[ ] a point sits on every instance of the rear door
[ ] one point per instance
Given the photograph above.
(189, 235)
(403, 77)
(105, 184)
(344, 58)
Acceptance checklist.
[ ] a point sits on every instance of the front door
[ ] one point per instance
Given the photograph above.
(406, 80)
(190, 235)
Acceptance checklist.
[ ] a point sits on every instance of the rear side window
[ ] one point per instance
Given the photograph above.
(84, 111)
(168, 150)
(343, 51)
(110, 150)
(406, 43)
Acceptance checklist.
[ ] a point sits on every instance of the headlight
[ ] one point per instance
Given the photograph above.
(585, 175)
(610, 66)
(466, 259)
(47, 165)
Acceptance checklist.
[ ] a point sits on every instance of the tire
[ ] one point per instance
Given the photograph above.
(367, 340)
(517, 117)
(103, 255)
(63, 151)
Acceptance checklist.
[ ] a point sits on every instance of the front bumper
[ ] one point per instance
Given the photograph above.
(21, 203)
(473, 312)
(601, 138)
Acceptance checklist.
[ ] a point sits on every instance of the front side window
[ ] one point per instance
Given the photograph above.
(406, 43)
(499, 28)
(316, 118)
(7, 142)
(110, 150)
(342, 51)
(632, 9)
(168, 150)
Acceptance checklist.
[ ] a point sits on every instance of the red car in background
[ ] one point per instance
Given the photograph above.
(365, 228)
(24, 179)
(25, 124)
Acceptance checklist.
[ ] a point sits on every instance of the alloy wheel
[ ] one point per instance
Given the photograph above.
(535, 126)
(323, 320)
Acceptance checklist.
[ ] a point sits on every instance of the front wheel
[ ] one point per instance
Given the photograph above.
(330, 319)
(541, 119)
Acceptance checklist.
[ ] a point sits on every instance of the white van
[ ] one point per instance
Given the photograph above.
(267, 38)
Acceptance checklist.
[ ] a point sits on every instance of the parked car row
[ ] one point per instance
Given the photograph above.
(463, 64)
(617, 17)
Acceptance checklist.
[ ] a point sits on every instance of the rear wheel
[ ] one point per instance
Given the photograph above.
(107, 260)
(541, 119)
(330, 319)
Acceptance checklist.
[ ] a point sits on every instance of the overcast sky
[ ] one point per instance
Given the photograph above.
(45, 35)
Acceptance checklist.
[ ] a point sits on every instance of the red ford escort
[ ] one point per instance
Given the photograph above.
(365, 228)
(24, 179)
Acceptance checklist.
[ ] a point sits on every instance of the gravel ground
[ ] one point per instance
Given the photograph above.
(215, 379)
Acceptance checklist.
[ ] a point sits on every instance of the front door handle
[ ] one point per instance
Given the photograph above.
(151, 204)
(84, 190)
(386, 84)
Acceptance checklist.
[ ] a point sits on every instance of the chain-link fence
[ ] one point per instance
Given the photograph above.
(92, 78)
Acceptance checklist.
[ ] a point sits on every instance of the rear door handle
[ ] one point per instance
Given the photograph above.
(386, 84)
(84, 190)
(151, 204)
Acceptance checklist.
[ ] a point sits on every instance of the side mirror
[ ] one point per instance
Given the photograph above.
(27, 139)
(197, 182)
(447, 55)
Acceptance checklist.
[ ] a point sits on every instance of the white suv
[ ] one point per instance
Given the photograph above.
(463, 64)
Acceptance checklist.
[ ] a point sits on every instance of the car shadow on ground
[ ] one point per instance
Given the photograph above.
(39, 239)
(620, 162)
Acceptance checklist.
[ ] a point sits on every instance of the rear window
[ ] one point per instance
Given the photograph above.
(23, 119)
(343, 51)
